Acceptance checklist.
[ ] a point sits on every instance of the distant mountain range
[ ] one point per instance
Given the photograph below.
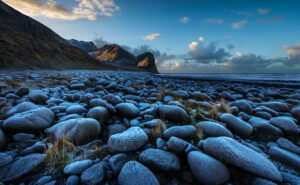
(28, 44)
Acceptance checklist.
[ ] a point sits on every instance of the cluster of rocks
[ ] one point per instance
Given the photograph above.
(124, 128)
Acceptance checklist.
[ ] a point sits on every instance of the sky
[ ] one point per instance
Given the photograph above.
(185, 36)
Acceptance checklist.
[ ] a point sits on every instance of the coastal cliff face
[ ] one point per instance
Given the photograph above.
(115, 54)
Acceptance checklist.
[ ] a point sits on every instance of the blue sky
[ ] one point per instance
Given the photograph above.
(263, 36)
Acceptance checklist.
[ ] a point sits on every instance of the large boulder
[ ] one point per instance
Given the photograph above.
(129, 140)
(134, 172)
(160, 159)
(288, 145)
(93, 175)
(285, 157)
(264, 130)
(241, 156)
(77, 167)
(237, 125)
(212, 129)
(186, 131)
(243, 105)
(21, 167)
(127, 110)
(172, 113)
(206, 169)
(37, 96)
(277, 106)
(22, 107)
(287, 125)
(79, 131)
(99, 113)
(30, 121)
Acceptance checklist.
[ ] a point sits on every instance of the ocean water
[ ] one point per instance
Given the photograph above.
(238, 77)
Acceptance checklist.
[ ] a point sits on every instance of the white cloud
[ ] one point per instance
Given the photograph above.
(84, 9)
(239, 25)
(151, 36)
(205, 54)
(201, 39)
(185, 20)
(238, 54)
(213, 20)
(263, 11)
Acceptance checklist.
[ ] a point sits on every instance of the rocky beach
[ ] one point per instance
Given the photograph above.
(127, 128)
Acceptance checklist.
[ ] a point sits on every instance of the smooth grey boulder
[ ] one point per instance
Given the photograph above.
(77, 86)
(287, 125)
(239, 155)
(127, 110)
(277, 106)
(79, 131)
(38, 147)
(290, 179)
(44, 180)
(30, 121)
(263, 129)
(185, 131)
(285, 157)
(237, 125)
(267, 109)
(22, 91)
(117, 161)
(37, 96)
(21, 167)
(206, 169)
(3, 140)
(76, 109)
(296, 112)
(73, 180)
(172, 113)
(129, 140)
(134, 172)
(212, 129)
(5, 159)
(77, 167)
(288, 145)
(22, 107)
(113, 99)
(100, 114)
(93, 175)
(180, 146)
(243, 105)
(115, 129)
(160, 159)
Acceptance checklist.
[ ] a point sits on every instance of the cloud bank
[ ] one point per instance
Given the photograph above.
(84, 9)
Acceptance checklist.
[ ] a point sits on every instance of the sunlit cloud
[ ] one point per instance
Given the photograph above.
(239, 25)
(238, 54)
(293, 53)
(185, 20)
(201, 39)
(212, 20)
(84, 9)
(263, 11)
(151, 36)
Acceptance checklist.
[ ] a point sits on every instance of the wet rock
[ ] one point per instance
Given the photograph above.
(264, 130)
(73, 180)
(100, 114)
(127, 110)
(160, 159)
(186, 131)
(236, 154)
(115, 129)
(44, 180)
(277, 106)
(212, 129)
(117, 161)
(30, 121)
(22, 91)
(243, 105)
(21, 167)
(80, 131)
(5, 159)
(22, 107)
(206, 169)
(94, 174)
(180, 146)
(172, 113)
(113, 99)
(38, 147)
(134, 172)
(129, 140)
(77, 167)
(237, 125)
(290, 179)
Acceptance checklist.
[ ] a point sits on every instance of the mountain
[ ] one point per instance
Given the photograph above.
(83, 45)
(114, 54)
(28, 44)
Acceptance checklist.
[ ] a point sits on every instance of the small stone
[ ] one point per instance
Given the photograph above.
(77, 167)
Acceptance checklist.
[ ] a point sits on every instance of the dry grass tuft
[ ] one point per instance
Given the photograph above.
(224, 107)
(161, 94)
(200, 116)
(198, 135)
(214, 112)
(158, 130)
(60, 154)
(12, 84)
